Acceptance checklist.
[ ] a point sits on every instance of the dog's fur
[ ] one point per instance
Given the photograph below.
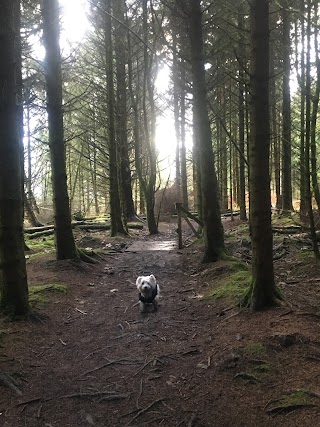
(149, 292)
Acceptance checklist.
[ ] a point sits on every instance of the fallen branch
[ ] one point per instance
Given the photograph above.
(47, 230)
(36, 235)
(32, 230)
(289, 229)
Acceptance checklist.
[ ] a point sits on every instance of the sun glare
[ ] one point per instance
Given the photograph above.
(74, 20)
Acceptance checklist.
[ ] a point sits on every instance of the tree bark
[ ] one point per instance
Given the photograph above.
(262, 292)
(65, 244)
(286, 111)
(302, 81)
(121, 110)
(242, 184)
(314, 116)
(183, 154)
(308, 136)
(117, 225)
(212, 230)
(13, 275)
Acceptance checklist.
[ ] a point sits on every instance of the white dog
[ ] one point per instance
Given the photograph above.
(149, 292)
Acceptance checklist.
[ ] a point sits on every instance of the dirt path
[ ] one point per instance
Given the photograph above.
(95, 360)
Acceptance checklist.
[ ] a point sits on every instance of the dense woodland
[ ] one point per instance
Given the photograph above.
(78, 130)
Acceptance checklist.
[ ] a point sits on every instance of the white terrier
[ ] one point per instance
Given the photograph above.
(149, 292)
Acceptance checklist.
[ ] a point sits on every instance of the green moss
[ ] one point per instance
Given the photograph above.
(40, 294)
(232, 284)
(297, 397)
(236, 265)
(262, 369)
(256, 374)
(254, 349)
(45, 244)
(290, 219)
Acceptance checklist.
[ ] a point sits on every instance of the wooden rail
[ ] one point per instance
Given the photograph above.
(184, 213)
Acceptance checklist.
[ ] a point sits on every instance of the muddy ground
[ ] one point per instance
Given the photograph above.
(90, 358)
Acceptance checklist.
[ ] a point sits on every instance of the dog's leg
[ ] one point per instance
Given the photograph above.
(155, 303)
(143, 307)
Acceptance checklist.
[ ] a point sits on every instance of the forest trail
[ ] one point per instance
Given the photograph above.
(94, 360)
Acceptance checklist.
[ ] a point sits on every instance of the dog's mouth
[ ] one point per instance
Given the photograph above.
(146, 290)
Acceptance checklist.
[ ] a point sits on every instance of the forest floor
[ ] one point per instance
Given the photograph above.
(90, 358)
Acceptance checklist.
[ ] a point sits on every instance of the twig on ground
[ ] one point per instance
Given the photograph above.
(185, 290)
(142, 368)
(39, 411)
(140, 393)
(286, 313)
(36, 399)
(144, 410)
(9, 382)
(110, 362)
(114, 397)
(229, 317)
(104, 395)
(192, 420)
(80, 311)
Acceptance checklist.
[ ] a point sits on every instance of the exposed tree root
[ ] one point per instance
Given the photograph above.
(86, 258)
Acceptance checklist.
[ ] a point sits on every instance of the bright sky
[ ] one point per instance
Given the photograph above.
(75, 24)
(74, 20)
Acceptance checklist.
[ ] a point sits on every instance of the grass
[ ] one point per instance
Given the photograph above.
(39, 295)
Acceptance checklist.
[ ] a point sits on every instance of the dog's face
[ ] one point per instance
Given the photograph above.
(146, 284)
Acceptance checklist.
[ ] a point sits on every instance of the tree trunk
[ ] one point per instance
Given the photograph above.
(176, 111)
(303, 174)
(262, 292)
(149, 121)
(242, 184)
(314, 116)
(13, 275)
(117, 225)
(65, 244)
(286, 112)
(308, 136)
(184, 177)
(121, 111)
(213, 230)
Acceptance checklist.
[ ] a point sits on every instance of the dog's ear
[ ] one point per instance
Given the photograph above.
(152, 280)
(138, 281)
